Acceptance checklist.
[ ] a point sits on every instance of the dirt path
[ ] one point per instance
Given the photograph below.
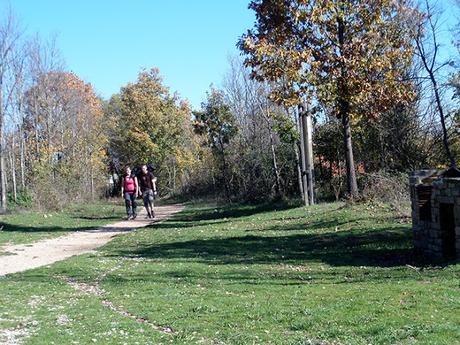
(45, 252)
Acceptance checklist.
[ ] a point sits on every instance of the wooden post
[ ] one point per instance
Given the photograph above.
(307, 154)
(309, 158)
(303, 156)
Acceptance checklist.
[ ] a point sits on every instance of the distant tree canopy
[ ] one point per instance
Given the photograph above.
(217, 123)
(149, 124)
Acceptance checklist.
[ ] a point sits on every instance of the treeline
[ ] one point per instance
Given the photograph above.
(362, 80)
(52, 134)
(369, 73)
(327, 102)
(240, 145)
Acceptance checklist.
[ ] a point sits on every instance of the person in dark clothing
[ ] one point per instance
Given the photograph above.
(129, 191)
(147, 185)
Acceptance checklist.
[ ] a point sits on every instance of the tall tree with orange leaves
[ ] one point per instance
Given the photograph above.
(351, 56)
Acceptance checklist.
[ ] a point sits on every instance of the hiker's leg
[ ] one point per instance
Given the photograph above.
(151, 200)
(145, 199)
(128, 204)
(133, 201)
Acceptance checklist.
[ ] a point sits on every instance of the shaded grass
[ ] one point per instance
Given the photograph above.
(328, 274)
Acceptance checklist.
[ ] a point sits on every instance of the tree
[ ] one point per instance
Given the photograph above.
(428, 50)
(149, 124)
(349, 54)
(264, 127)
(217, 123)
(66, 137)
(9, 36)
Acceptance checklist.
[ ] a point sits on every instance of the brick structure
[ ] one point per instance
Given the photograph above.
(435, 214)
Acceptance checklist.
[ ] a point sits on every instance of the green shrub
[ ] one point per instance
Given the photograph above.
(23, 199)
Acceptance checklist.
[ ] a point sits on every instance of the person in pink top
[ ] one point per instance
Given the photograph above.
(129, 191)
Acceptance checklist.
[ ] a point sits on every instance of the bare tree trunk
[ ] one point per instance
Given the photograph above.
(297, 151)
(13, 169)
(450, 156)
(344, 114)
(275, 164)
(2, 174)
(22, 161)
(299, 170)
(92, 178)
(37, 135)
(266, 115)
(430, 67)
(225, 173)
(174, 177)
(2, 163)
(352, 184)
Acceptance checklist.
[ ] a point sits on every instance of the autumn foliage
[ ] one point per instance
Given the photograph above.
(349, 56)
(65, 139)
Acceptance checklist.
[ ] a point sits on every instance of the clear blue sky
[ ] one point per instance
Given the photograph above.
(107, 42)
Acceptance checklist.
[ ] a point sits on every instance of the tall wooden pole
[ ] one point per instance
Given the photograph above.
(309, 158)
(307, 154)
(303, 157)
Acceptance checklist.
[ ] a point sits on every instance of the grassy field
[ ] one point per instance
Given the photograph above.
(29, 226)
(329, 274)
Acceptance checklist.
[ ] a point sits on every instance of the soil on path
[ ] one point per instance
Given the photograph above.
(45, 252)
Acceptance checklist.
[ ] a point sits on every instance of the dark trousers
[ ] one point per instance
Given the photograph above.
(130, 203)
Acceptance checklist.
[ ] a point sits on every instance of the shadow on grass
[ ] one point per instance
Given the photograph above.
(338, 244)
(231, 212)
(45, 228)
(382, 248)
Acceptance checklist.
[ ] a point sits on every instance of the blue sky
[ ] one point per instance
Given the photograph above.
(107, 42)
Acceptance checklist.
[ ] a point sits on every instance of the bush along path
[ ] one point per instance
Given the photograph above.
(22, 257)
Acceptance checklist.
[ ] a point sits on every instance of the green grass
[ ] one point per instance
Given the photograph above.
(29, 226)
(328, 274)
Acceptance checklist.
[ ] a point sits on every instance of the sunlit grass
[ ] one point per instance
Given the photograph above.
(329, 274)
(29, 226)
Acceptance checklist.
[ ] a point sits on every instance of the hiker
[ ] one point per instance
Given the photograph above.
(129, 191)
(148, 188)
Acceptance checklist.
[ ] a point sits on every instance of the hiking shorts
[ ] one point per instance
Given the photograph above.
(148, 197)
